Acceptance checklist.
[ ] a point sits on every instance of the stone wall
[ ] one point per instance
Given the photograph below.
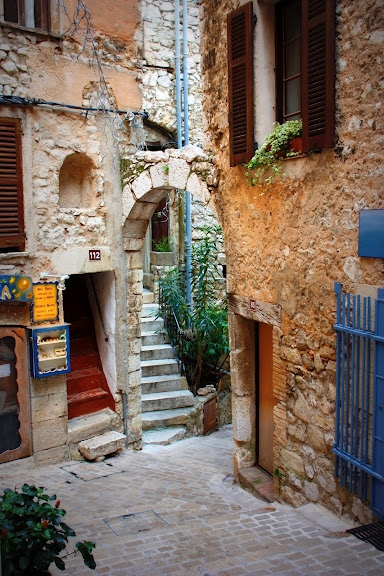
(289, 245)
(159, 82)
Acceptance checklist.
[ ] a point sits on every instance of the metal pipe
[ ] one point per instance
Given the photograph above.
(125, 418)
(188, 224)
(185, 72)
(178, 73)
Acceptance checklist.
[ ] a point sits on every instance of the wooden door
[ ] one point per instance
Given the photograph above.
(15, 419)
(266, 401)
(160, 222)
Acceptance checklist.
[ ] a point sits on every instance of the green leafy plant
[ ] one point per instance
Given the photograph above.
(205, 325)
(33, 535)
(163, 245)
(276, 147)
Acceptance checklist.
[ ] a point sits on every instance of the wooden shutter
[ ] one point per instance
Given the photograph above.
(11, 185)
(42, 15)
(318, 74)
(240, 84)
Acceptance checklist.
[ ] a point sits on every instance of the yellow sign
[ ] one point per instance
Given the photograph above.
(45, 306)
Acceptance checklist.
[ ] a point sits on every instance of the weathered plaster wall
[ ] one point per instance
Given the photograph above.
(288, 246)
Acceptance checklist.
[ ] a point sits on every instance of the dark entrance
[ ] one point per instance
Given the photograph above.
(264, 397)
(87, 387)
(160, 222)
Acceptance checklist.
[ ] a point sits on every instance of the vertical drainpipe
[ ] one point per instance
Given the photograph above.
(188, 227)
(178, 73)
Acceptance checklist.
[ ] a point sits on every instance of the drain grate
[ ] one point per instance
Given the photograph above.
(371, 533)
(134, 523)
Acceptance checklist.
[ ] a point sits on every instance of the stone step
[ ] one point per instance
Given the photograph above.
(150, 310)
(84, 427)
(100, 446)
(153, 384)
(159, 367)
(156, 352)
(176, 417)
(153, 337)
(164, 436)
(148, 296)
(152, 324)
(166, 400)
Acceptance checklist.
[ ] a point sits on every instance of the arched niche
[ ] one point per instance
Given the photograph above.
(77, 182)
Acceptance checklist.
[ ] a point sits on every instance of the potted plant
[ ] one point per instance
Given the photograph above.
(282, 142)
(162, 254)
(33, 535)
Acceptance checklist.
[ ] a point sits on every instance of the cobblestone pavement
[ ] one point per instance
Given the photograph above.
(175, 510)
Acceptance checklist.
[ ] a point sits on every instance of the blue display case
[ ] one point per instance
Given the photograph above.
(50, 350)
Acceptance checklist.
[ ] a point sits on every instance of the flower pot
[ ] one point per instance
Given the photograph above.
(162, 258)
(297, 144)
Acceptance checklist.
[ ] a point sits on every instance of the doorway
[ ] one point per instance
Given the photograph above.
(264, 396)
(87, 387)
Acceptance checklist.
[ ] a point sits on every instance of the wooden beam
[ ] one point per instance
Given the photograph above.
(255, 309)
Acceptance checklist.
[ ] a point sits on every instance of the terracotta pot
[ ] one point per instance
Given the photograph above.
(297, 144)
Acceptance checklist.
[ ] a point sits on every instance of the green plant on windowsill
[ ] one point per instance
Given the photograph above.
(276, 147)
(33, 535)
(163, 245)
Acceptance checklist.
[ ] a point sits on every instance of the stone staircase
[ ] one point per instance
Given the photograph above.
(166, 401)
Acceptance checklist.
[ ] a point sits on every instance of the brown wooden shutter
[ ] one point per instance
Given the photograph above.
(42, 15)
(318, 74)
(240, 84)
(11, 185)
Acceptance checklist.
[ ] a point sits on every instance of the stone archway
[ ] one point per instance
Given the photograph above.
(147, 178)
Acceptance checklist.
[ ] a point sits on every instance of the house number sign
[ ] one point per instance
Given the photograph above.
(94, 255)
(252, 304)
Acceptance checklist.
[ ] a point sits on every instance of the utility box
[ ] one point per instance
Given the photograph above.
(50, 350)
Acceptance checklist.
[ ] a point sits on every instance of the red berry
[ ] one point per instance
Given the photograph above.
(57, 504)
(44, 524)
(3, 532)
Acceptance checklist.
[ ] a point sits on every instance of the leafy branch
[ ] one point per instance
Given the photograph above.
(276, 147)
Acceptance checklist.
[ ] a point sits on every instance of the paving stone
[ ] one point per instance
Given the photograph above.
(191, 520)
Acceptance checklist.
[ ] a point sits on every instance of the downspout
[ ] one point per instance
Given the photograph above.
(188, 226)
(178, 73)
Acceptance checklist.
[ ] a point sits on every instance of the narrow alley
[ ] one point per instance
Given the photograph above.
(175, 510)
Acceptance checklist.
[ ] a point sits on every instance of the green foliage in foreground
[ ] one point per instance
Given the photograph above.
(33, 535)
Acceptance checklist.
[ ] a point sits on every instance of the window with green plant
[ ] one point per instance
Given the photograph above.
(276, 146)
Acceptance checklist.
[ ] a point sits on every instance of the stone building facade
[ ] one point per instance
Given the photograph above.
(288, 243)
(73, 98)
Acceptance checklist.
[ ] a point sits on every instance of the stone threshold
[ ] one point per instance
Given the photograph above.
(258, 482)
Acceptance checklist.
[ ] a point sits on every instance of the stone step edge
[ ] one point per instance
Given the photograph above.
(168, 394)
(158, 362)
(164, 435)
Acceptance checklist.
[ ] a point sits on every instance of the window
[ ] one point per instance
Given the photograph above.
(305, 73)
(288, 60)
(12, 235)
(28, 13)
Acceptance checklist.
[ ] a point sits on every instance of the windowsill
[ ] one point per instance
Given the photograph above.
(34, 31)
(10, 255)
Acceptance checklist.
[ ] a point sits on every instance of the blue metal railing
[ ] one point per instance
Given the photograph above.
(356, 411)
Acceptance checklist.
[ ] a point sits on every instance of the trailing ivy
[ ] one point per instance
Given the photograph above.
(276, 147)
